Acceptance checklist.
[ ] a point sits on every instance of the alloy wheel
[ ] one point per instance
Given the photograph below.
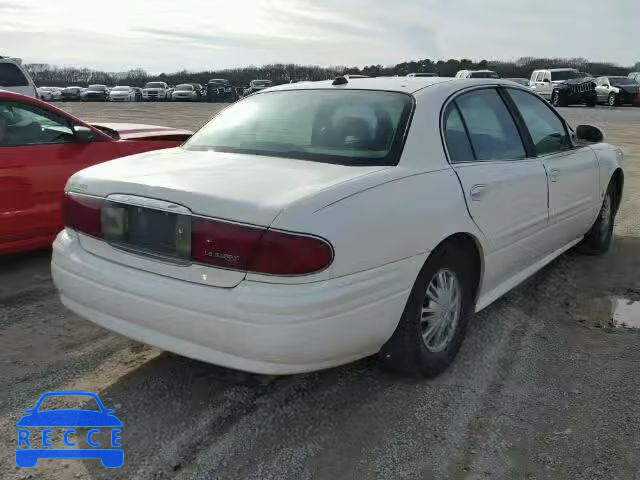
(441, 310)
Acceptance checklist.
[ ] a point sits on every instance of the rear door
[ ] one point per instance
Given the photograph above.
(506, 192)
(572, 170)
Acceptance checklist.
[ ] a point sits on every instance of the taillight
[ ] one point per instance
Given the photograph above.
(257, 250)
(83, 213)
(217, 243)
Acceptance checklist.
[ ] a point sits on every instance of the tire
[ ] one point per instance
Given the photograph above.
(613, 100)
(410, 350)
(597, 241)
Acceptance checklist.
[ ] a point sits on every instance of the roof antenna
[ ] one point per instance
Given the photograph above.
(341, 80)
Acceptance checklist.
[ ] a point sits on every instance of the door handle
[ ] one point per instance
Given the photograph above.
(477, 192)
(554, 174)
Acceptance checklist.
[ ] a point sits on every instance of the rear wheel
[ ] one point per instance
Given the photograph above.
(613, 100)
(598, 239)
(434, 320)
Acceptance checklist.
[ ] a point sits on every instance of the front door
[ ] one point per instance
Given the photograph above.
(572, 170)
(506, 193)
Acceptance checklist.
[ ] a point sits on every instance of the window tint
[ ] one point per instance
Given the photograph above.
(547, 130)
(493, 133)
(351, 127)
(456, 137)
(11, 76)
(25, 125)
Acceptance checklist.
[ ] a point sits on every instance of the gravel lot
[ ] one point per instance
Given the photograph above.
(545, 386)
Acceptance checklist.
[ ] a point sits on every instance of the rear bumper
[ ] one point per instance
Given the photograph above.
(255, 327)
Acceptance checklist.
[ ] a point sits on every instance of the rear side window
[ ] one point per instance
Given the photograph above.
(456, 137)
(492, 131)
(12, 76)
(546, 129)
(349, 127)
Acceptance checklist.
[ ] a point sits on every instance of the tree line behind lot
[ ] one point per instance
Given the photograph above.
(51, 75)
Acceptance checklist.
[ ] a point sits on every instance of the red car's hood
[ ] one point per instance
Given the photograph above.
(138, 131)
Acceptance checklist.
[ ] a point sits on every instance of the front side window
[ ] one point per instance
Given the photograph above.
(547, 131)
(493, 133)
(12, 76)
(22, 125)
(349, 127)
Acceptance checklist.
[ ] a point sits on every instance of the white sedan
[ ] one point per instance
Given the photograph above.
(122, 94)
(313, 224)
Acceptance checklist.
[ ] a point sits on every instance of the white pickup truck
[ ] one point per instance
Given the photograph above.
(14, 78)
(155, 91)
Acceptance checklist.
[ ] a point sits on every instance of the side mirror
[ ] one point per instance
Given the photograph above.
(83, 134)
(109, 411)
(589, 133)
(29, 410)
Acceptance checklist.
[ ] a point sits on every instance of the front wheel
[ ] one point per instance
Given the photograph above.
(434, 320)
(613, 100)
(597, 241)
(556, 101)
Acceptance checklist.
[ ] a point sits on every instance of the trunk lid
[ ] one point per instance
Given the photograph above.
(247, 189)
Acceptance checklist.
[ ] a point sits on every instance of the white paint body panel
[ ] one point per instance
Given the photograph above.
(383, 222)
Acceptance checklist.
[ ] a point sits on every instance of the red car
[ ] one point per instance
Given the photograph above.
(40, 148)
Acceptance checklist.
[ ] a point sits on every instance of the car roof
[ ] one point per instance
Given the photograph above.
(394, 84)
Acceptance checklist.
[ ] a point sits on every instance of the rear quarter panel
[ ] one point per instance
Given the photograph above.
(399, 215)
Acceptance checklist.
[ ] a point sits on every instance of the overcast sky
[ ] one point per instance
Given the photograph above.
(170, 35)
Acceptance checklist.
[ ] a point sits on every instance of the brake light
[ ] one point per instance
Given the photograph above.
(258, 250)
(83, 213)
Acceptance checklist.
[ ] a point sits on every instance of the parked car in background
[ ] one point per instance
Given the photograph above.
(477, 74)
(522, 81)
(96, 93)
(564, 86)
(256, 86)
(138, 92)
(14, 78)
(200, 91)
(70, 94)
(44, 94)
(634, 76)
(155, 91)
(423, 74)
(41, 146)
(185, 92)
(220, 90)
(617, 91)
(283, 235)
(51, 94)
(122, 94)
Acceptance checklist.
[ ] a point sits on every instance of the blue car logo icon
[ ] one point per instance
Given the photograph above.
(68, 420)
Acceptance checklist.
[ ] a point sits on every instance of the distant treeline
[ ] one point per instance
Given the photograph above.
(51, 75)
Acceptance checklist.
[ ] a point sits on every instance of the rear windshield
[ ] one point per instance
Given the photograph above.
(120, 89)
(11, 76)
(184, 87)
(348, 127)
(564, 75)
(97, 88)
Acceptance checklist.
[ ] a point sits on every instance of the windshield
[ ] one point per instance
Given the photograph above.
(260, 83)
(154, 85)
(184, 87)
(219, 81)
(484, 75)
(350, 127)
(622, 81)
(97, 88)
(564, 75)
(120, 89)
(71, 89)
